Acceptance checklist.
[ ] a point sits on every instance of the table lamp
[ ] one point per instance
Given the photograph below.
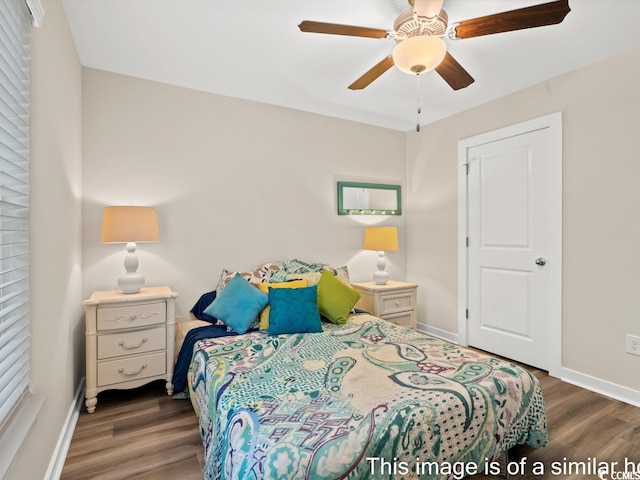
(381, 239)
(130, 225)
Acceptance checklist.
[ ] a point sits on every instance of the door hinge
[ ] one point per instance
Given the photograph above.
(467, 242)
(467, 314)
(466, 166)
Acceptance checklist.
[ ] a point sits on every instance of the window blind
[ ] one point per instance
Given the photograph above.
(15, 29)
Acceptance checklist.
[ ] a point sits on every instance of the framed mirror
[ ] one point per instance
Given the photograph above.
(355, 198)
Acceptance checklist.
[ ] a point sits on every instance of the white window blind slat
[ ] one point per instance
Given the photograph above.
(15, 29)
(15, 330)
(16, 305)
(14, 364)
(16, 389)
(12, 56)
(11, 111)
(11, 366)
(19, 275)
(18, 168)
(11, 136)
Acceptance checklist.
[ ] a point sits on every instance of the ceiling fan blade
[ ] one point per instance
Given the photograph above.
(529, 17)
(337, 29)
(372, 74)
(453, 73)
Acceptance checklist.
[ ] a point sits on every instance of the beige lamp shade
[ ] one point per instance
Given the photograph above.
(381, 239)
(125, 224)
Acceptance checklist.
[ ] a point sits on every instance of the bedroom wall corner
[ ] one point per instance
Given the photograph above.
(57, 332)
(432, 213)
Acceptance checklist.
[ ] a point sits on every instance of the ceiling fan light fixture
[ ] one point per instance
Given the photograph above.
(419, 54)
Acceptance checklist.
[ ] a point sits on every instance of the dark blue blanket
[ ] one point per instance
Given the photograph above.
(184, 356)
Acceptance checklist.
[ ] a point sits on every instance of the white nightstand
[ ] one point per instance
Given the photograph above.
(393, 301)
(129, 340)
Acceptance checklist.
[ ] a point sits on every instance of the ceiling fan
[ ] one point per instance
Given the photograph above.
(419, 30)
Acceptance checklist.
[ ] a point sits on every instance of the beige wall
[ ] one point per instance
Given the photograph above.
(235, 183)
(601, 174)
(57, 330)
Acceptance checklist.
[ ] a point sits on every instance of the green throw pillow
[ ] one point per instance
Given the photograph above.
(335, 299)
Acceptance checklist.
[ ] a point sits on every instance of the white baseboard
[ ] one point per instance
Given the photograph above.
(64, 441)
(436, 332)
(603, 387)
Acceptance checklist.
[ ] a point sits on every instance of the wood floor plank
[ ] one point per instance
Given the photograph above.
(142, 433)
(146, 435)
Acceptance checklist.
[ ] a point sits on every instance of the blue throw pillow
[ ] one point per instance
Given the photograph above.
(238, 304)
(294, 310)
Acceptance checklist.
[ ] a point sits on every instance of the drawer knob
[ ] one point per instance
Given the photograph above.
(132, 318)
(132, 347)
(397, 303)
(129, 374)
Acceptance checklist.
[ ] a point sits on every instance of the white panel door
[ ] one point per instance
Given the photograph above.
(513, 257)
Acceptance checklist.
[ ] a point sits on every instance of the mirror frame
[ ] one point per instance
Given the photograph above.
(377, 186)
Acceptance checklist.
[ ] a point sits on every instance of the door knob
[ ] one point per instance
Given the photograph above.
(541, 261)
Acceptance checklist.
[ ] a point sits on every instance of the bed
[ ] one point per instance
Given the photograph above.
(362, 398)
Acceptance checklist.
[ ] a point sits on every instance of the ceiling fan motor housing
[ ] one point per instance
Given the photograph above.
(407, 25)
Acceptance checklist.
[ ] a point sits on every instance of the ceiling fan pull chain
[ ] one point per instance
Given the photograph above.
(418, 97)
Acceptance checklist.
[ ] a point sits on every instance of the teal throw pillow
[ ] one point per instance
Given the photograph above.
(294, 310)
(238, 304)
(335, 299)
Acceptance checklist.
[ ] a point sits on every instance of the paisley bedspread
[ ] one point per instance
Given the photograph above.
(367, 399)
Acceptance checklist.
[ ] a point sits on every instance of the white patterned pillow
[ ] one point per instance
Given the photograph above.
(300, 266)
(271, 272)
(227, 275)
(313, 278)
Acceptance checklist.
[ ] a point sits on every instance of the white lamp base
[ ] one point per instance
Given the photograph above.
(380, 277)
(132, 281)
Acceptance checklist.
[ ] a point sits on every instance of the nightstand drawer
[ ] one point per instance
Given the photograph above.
(129, 316)
(402, 319)
(131, 368)
(128, 342)
(396, 302)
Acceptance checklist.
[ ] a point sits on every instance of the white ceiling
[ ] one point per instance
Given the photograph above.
(253, 49)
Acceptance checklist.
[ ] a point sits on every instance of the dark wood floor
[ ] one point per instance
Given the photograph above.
(141, 433)
(144, 434)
